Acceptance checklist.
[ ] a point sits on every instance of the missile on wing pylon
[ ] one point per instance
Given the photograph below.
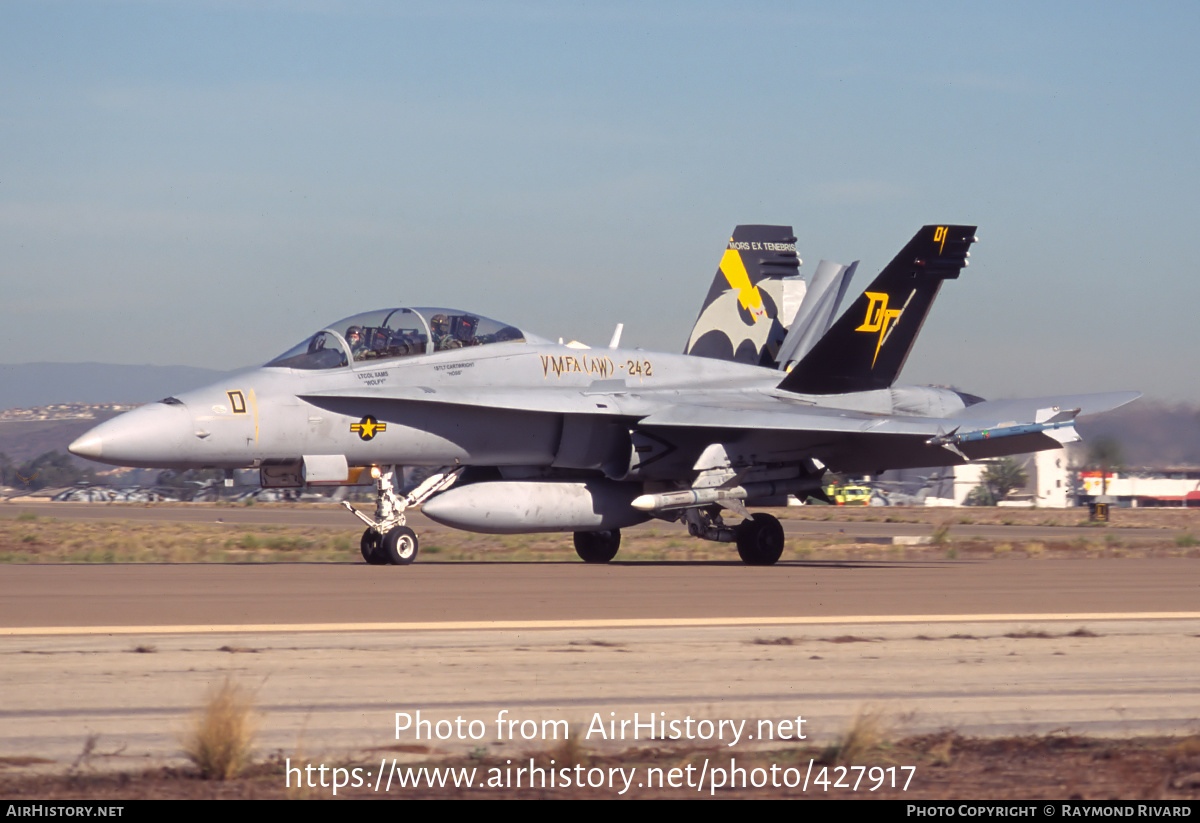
(689, 498)
(1055, 423)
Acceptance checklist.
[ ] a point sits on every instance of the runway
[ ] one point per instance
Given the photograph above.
(434, 593)
(334, 651)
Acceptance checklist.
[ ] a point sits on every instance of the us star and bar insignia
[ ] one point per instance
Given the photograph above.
(368, 427)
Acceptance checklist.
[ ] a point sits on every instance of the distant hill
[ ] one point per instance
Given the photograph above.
(42, 384)
(1150, 433)
(24, 440)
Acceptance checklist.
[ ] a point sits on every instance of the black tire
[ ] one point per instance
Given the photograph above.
(597, 547)
(399, 546)
(760, 540)
(371, 551)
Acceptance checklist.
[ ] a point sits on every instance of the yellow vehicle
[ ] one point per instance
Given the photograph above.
(849, 495)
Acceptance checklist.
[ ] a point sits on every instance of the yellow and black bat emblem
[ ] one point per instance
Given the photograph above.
(368, 427)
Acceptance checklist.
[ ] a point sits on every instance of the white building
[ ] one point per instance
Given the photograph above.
(1049, 484)
(1145, 487)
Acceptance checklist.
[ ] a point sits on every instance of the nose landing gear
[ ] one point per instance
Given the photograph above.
(387, 540)
(370, 548)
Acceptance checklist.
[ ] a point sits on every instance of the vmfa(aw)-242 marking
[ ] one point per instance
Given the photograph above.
(525, 435)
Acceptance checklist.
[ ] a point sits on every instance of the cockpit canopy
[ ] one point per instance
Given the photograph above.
(387, 334)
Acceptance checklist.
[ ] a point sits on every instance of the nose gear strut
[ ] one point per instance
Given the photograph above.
(387, 539)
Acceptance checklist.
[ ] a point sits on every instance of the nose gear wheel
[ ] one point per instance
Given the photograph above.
(387, 540)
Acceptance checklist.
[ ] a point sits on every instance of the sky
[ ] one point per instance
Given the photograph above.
(206, 183)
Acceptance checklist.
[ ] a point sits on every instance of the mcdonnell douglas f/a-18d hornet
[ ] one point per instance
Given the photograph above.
(525, 435)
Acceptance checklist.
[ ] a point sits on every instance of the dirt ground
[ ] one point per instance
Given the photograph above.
(942, 767)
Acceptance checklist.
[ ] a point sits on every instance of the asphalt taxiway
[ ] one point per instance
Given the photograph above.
(115, 659)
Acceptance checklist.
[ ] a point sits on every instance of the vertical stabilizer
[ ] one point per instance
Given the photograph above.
(867, 346)
(824, 298)
(740, 319)
(794, 292)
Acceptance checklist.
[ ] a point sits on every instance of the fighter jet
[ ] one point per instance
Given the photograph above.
(521, 434)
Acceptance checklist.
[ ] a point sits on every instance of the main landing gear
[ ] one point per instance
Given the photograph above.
(760, 540)
(759, 537)
(387, 540)
(597, 547)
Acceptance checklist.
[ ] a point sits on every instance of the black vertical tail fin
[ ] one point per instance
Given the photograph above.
(867, 346)
(740, 319)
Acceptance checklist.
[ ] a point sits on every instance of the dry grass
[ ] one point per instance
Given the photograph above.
(571, 752)
(222, 735)
(51, 540)
(27, 538)
(867, 733)
(941, 751)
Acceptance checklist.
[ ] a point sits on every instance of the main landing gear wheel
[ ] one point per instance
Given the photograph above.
(597, 547)
(371, 549)
(399, 546)
(760, 540)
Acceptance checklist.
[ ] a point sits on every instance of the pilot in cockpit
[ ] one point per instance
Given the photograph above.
(358, 346)
(439, 324)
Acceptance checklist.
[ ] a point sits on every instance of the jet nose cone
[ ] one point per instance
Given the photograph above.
(88, 445)
(153, 436)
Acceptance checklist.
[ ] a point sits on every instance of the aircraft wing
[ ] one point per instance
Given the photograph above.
(844, 439)
(744, 412)
(854, 441)
(729, 409)
(764, 413)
